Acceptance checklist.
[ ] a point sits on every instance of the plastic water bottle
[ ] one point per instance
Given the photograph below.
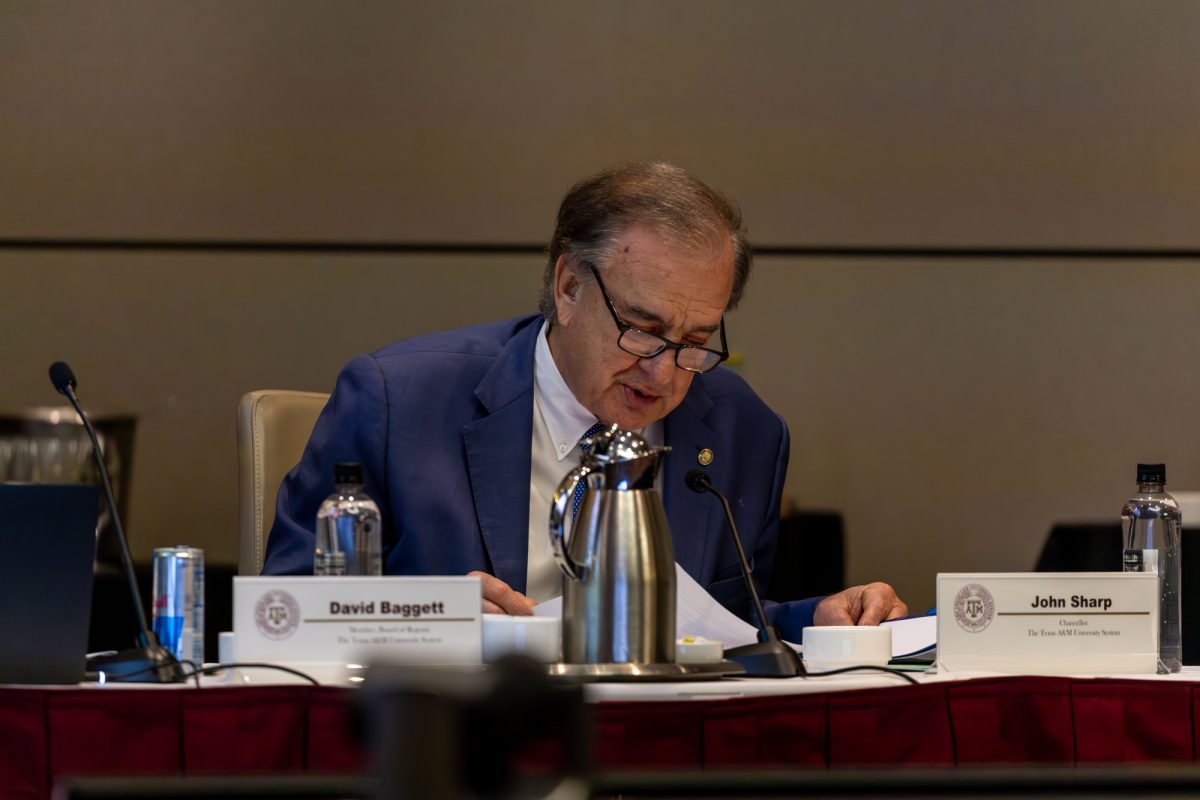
(1151, 526)
(348, 528)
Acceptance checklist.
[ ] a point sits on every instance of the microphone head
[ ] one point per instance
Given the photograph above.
(62, 377)
(697, 480)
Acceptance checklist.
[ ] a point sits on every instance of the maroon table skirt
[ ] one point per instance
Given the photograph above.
(46, 733)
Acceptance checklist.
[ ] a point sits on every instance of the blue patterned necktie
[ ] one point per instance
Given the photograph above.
(585, 447)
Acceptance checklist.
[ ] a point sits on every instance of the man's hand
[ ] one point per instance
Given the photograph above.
(500, 598)
(869, 604)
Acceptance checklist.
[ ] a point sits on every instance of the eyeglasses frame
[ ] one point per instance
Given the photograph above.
(624, 327)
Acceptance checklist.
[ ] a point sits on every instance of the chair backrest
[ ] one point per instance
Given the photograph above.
(273, 425)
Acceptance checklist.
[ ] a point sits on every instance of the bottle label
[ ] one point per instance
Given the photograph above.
(1141, 561)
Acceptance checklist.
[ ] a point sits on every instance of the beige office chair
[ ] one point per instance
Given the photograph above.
(273, 425)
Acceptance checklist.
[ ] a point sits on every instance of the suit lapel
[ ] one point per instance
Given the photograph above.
(695, 518)
(498, 457)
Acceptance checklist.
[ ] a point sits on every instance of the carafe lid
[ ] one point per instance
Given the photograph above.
(626, 458)
(616, 444)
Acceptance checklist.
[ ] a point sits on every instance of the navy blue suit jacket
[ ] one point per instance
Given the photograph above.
(442, 425)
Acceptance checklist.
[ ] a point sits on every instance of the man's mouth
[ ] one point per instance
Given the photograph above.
(637, 398)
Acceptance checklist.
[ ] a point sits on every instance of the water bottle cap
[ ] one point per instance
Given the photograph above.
(1152, 473)
(348, 472)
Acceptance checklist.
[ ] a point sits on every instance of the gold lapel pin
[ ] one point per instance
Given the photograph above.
(705, 457)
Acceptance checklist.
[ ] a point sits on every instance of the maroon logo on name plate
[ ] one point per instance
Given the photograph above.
(974, 608)
(277, 614)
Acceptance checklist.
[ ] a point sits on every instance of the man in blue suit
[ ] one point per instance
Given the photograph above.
(464, 435)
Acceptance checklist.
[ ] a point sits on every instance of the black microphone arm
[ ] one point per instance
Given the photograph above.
(769, 657)
(149, 661)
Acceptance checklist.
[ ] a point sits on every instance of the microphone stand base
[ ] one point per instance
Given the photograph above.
(771, 659)
(153, 664)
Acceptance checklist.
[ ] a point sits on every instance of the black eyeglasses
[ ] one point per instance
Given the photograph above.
(647, 345)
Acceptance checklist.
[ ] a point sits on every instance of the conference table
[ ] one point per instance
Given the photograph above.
(257, 726)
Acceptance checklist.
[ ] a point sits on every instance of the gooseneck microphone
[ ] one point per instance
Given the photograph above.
(769, 657)
(149, 661)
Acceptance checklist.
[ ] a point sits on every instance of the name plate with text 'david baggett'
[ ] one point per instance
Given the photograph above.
(424, 620)
(1048, 623)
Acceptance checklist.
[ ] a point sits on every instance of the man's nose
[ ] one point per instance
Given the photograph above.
(660, 368)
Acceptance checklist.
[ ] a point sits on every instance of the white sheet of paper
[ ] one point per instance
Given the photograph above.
(698, 614)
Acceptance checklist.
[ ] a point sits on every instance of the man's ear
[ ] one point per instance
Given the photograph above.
(566, 289)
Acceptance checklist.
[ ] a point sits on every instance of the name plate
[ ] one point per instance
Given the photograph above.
(1048, 622)
(427, 620)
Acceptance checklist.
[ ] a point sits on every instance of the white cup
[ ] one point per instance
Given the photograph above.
(837, 646)
(539, 638)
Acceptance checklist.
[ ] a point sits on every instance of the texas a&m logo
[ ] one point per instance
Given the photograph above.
(974, 608)
(277, 614)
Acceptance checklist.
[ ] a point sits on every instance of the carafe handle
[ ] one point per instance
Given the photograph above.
(558, 510)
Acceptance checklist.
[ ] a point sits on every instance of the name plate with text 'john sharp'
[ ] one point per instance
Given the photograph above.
(1048, 623)
(426, 620)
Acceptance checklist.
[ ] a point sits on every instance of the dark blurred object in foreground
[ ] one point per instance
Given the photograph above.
(438, 733)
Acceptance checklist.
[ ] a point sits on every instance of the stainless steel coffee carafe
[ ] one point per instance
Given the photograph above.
(619, 590)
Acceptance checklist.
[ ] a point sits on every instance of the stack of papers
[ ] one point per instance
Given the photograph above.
(914, 639)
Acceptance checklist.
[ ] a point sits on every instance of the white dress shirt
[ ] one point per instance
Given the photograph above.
(559, 421)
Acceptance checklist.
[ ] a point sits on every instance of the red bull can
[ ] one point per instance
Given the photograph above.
(178, 615)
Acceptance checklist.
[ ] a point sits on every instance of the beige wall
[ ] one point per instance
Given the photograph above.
(951, 409)
(926, 122)
(955, 411)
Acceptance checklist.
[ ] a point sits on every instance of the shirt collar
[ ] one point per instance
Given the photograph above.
(566, 418)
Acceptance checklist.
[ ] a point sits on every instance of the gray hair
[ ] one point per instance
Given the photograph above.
(662, 196)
